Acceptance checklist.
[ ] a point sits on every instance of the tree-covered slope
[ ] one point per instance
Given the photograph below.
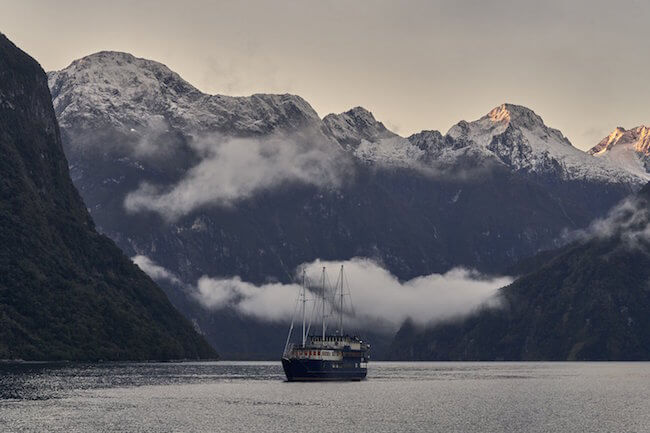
(591, 301)
(66, 292)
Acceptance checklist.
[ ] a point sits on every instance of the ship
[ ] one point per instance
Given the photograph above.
(325, 357)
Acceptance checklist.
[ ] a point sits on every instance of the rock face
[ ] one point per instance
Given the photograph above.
(66, 292)
(628, 149)
(587, 301)
(255, 186)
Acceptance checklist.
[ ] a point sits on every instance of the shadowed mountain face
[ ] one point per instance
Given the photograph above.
(66, 292)
(255, 186)
(588, 301)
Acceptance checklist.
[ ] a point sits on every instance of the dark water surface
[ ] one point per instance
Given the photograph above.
(253, 397)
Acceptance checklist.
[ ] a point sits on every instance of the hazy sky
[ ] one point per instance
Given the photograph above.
(583, 65)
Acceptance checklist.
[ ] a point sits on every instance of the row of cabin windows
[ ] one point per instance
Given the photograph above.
(310, 353)
(329, 338)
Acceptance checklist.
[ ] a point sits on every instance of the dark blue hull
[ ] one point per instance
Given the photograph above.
(317, 370)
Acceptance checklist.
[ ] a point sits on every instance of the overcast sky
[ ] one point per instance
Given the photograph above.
(583, 65)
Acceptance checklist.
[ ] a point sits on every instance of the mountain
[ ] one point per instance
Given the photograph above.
(360, 134)
(210, 185)
(119, 90)
(629, 149)
(589, 301)
(518, 138)
(66, 292)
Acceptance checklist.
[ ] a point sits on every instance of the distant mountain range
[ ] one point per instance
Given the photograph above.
(66, 291)
(255, 186)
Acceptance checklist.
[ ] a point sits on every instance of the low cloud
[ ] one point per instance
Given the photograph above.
(151, 141)
(380, 299)
(629, 221)
(235, 168)
(155, 271)
(273, 301)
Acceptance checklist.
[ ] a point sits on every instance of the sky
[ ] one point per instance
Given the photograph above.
(580, 64)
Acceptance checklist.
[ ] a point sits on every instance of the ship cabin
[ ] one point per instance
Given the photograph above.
(334, 342)
(330, 347)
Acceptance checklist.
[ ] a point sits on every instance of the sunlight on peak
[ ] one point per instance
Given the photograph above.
(499, 114)
(643, 143)
(615, 135)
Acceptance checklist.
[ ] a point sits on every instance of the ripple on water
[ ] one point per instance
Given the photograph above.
(234, 396)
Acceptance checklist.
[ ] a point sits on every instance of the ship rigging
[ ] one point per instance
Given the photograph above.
(324, 357)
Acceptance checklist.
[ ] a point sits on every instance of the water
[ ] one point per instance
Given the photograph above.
(253, 397)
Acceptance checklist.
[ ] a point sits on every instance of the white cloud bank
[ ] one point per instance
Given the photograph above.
(629, 221)
(235, 168)
(379, 298)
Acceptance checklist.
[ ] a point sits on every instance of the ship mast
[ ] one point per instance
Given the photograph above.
(341, 306)
(323, 309)
(304, 301)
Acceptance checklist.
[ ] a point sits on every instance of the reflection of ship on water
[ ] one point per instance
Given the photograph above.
(325, 356)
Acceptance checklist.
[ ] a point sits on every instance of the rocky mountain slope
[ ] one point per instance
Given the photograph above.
(588, 301)
(255, 186)
(628, 149)
(66, 292)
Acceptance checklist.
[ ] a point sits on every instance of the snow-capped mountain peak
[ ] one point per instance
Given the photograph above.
(517, 137)
(115, 89)
(637, 139)
(122, 92)
(628, 149)
(354, 126)
(498, 120)
(359, 133)
(518, 114)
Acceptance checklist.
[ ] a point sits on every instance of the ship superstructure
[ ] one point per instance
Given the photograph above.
(335, 356)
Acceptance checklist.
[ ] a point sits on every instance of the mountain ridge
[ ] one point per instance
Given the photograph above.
(151, 82)
(175, 103)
